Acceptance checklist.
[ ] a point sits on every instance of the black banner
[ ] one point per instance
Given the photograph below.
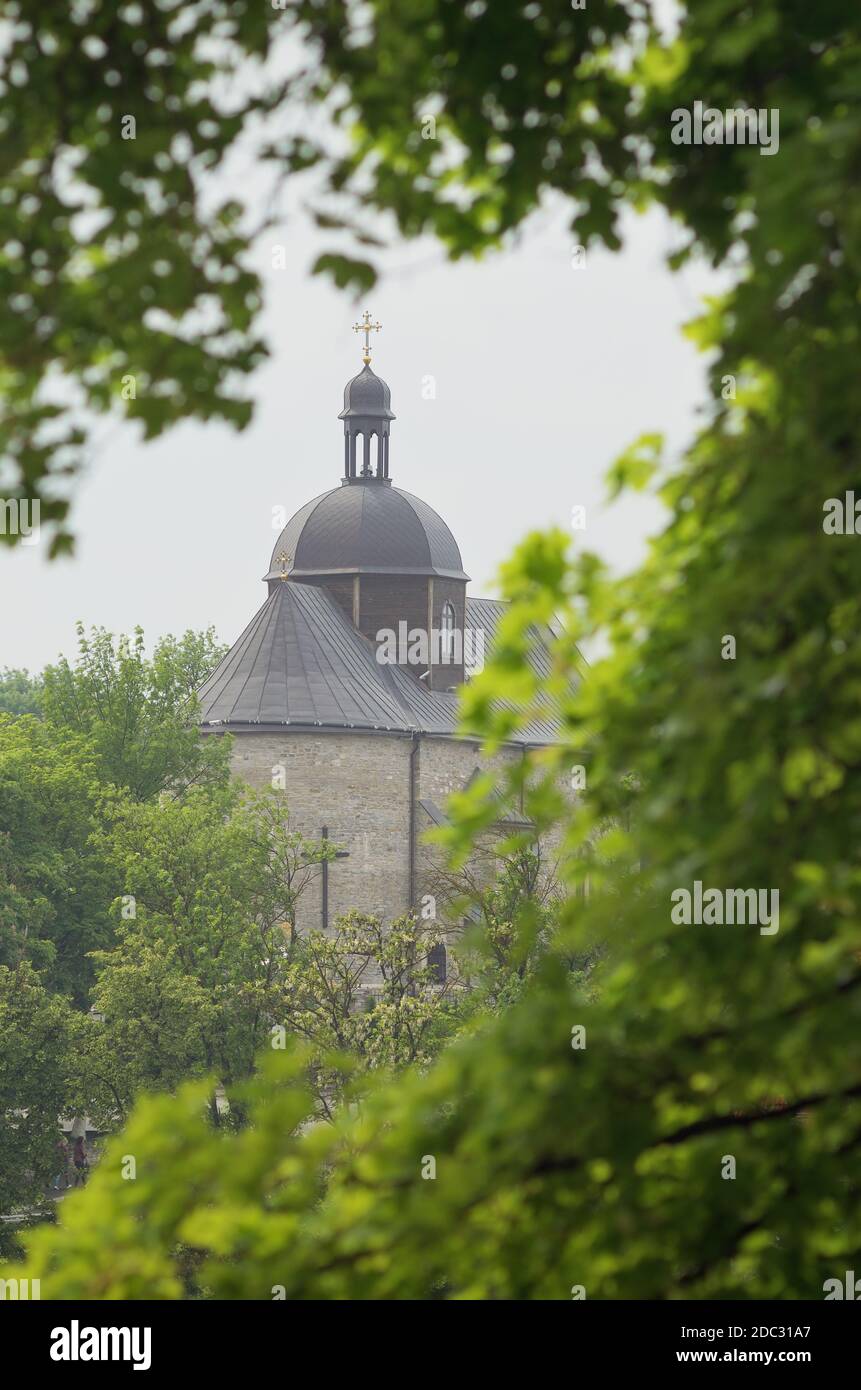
(152, 1338)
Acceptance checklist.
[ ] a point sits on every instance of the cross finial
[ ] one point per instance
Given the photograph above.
(367, 328)
(283, 560)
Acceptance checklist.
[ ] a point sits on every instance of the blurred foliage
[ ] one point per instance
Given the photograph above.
(601, 1167)
(122, 289)
(121, 258)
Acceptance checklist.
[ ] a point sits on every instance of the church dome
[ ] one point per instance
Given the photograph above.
(365, 528)
(367, 395)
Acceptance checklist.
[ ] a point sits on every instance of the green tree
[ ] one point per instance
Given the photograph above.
(138, 712)
(55, 889)
(113, 112)
(37, 1071)
(117, 718)
(365, 998)
(502, 901)
(210, 885)
(20, 693)
(208, 966)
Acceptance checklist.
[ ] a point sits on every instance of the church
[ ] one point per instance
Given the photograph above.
(343, 687)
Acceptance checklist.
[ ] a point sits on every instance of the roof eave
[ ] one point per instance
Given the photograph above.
(430, 570)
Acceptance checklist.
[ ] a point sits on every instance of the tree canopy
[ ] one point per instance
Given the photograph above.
(138, 711)
(126, 269)
(54, 890)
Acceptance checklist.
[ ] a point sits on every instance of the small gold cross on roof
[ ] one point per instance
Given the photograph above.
(283, 560)
(367, 328)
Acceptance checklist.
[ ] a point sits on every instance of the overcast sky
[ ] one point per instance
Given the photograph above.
(543, 373)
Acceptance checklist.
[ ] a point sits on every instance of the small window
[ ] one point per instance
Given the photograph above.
(437, 964)
(446, 647)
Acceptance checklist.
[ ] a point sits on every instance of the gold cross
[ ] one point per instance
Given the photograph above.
(283, 560)
(367, 328)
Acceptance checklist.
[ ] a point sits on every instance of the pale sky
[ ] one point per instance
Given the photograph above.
(543, 374)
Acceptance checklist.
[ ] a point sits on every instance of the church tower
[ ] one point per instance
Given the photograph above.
(385, 556)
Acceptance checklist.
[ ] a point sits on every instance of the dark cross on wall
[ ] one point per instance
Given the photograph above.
(339, 854)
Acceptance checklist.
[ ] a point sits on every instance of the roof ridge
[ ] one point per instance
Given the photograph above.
(364, 643)
(264, 627)
(231, 657)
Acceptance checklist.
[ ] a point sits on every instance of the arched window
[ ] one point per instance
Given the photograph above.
(446, 645)
(437, 964)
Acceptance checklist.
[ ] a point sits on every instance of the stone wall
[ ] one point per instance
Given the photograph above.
(358, 785)
(447, 765)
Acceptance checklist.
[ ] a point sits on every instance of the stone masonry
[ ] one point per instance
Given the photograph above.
(358, 786)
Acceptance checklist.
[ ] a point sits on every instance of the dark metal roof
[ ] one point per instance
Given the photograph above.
(367, 527)
(367, 395)
(483, 614)
(301, 664)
